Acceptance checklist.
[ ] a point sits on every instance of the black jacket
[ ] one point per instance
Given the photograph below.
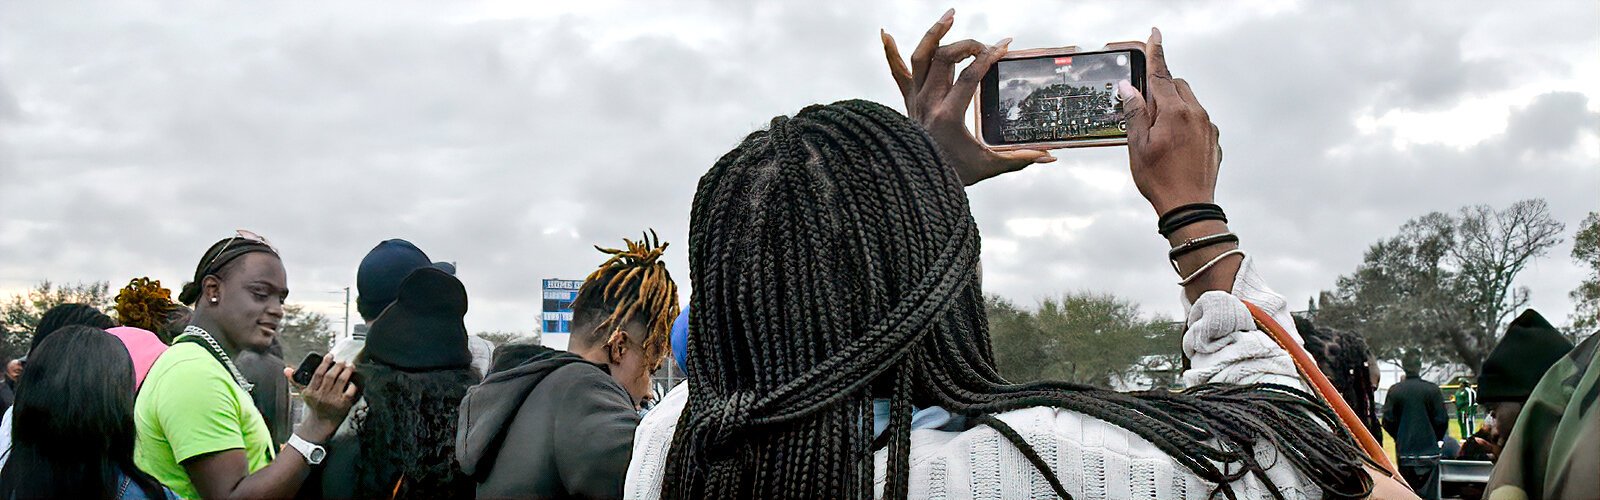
(552, 425)
(271, 392)
(1414, 414)
(8, 394)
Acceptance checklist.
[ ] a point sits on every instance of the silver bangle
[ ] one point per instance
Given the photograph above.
(1209, 265)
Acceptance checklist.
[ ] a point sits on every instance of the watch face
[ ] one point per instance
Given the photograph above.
(317, 454)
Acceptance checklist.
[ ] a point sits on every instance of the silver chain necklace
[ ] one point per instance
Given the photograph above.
(216, 349)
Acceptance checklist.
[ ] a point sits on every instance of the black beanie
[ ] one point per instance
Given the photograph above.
(378, 279)
(1529, 348)
(423, 328)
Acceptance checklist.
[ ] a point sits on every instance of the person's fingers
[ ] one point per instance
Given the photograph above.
(319, 376)
(350, 392)
(1134, 109)
(1025, 157)
(288, 373)
(1156, 55)
(1216, 138)
(1162, 91)
(1187, 95)
(897, 66)
(967, 84)
(343, 382)
(942, 71)
(922, 56)
(331, 379)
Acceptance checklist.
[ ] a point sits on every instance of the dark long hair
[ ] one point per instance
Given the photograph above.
(834, 259)
(73, 422)
(408, 433)
(1345, 358)
(65, 315)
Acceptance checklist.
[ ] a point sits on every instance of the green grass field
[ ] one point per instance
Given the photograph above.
(1455, 430)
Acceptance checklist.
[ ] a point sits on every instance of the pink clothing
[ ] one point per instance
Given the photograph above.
(144, 347)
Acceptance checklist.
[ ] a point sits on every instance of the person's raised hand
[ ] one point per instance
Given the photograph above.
(940, 104)
(1172, 144)
(329, 397)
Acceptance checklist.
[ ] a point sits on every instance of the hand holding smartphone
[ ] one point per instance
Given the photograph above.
(1057, 98)
(940, 105)
(308, 367)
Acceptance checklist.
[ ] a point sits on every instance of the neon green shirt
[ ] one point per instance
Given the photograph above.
(190, 406)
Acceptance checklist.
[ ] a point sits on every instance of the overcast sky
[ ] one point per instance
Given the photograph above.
(511, 136)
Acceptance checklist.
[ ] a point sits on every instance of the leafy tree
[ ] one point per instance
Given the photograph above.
(1586, 250)
(303, 332)
(20, 315)
(1081, 337)
(1443, 287)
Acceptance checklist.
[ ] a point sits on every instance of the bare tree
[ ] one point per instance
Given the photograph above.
(1445, 285)
(1493, 248)
(500, 338)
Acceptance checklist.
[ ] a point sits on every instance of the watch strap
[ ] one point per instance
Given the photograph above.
(313, 453)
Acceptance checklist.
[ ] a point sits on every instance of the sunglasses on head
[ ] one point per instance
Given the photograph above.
(241, 234)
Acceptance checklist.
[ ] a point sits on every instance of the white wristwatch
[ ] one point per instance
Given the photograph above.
(313, 452)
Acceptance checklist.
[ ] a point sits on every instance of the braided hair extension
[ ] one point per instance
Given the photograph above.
(1345, 358)
(633, 281)
(145, 304)
(835, 258)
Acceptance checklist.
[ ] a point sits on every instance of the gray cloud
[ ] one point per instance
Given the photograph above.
(131, 136)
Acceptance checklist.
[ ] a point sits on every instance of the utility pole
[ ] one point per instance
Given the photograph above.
(346, 312)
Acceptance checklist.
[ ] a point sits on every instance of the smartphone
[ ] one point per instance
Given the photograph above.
(308, 367)
(1058, 98)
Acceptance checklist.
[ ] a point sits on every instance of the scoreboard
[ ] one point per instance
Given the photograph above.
(557, 311)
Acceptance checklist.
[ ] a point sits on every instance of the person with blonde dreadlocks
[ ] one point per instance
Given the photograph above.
(146, 305)
(559, 424)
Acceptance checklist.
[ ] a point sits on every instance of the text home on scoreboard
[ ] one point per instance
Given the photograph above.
(558, 297)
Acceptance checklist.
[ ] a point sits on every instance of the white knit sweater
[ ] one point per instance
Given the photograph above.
(1093, 459)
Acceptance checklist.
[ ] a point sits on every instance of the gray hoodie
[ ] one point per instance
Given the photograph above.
(546, 424)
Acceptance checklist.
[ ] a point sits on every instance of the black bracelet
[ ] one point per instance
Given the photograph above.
(1177, 222)
(1166, 218)
(1193, 244)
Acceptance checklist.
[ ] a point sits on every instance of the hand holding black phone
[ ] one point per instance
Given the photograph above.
(308, 367)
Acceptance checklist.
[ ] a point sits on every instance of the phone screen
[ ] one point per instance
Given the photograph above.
(1058, 98)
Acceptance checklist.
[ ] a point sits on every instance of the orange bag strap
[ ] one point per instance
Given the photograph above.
(1319, 383)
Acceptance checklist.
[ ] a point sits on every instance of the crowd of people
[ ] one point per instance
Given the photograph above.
(835, 344)
(1415, 413)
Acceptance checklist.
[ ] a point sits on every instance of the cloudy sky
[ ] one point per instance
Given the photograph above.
(510, 136)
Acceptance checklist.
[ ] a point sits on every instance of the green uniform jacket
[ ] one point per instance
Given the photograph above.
(1554, 450)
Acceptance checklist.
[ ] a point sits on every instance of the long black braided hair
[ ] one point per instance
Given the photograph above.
(1347, 361)
(834, 259)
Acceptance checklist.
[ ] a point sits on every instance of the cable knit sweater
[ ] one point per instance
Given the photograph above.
(1093, 459)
